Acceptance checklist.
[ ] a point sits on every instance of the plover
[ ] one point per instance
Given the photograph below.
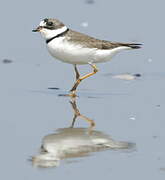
(76, 48)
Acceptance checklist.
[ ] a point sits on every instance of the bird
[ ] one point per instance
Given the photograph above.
(76, 48)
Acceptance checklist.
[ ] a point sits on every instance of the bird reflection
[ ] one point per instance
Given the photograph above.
(78, 114)
(74, 142)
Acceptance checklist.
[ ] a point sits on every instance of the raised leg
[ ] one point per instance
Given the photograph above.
(79, 79)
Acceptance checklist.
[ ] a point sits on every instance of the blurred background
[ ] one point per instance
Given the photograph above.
(127, 110)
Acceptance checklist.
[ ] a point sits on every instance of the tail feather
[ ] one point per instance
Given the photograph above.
(132, 45)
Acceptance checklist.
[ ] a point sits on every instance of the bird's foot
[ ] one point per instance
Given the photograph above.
(72, 94)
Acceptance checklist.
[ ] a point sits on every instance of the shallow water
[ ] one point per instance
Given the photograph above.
(130, 111)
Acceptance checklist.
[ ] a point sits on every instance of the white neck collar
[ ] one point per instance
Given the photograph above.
(48, 33)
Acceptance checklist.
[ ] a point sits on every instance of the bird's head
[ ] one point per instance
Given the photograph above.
(50, 27)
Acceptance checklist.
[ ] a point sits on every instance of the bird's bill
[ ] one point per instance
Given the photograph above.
(37, 29)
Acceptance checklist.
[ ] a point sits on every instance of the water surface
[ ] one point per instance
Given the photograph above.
(129, 111)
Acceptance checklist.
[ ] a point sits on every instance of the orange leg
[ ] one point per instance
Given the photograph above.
(77, 73)
(79, 79)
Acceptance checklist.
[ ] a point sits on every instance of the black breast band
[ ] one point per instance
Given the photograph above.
(58, 35)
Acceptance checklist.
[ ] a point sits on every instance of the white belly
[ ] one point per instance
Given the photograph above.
(76, 54)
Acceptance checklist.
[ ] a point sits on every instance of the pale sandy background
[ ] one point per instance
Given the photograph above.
(127, 110)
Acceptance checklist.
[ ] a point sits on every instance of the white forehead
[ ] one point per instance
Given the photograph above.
(42, 23)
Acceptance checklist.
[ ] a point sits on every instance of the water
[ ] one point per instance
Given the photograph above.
(129, 111)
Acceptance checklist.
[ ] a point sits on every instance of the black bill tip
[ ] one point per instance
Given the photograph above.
(34, 30)
(37, 29)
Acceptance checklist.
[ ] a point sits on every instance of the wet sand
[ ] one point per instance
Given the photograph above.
(127, 110)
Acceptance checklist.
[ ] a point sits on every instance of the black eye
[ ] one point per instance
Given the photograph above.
(46, 20)
(49, 23)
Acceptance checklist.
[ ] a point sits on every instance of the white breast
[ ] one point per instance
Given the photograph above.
(69, 52)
